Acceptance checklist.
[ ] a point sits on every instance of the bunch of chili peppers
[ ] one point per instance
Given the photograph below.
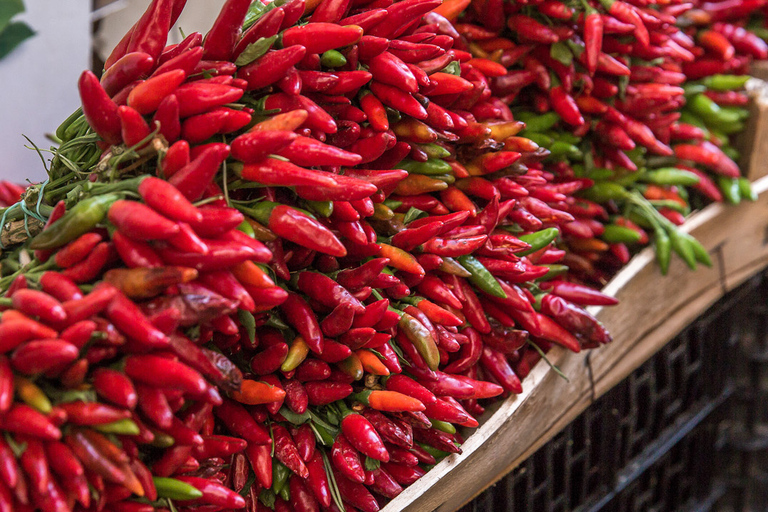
(285, 260)
(642, 97)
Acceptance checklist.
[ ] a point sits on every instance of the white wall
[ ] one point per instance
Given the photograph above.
(38, 82)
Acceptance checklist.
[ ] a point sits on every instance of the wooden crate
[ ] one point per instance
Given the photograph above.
(752, 143)
(653, 309)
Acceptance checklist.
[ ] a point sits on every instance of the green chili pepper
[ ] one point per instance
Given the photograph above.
(280, 475)
(668, 203)
(125, 427)
(322, 208)
(481, 277)
(448, 178)
(163, 440)
(562, 148)
(267, 498)
(175, 489)
(615, 234)
(730, 189)
(246, 228)
(683, 248)
(79, 220)
(431, 167)
(725, 82)
(745, 189)
(248, 322)
(443, 426)
(554, 271)
(600, 174)
(566, 137)
(604, 191)
(710, 111)
(421, 339)
(670, 176)
(333, 59)
(538, 123)
(438, 454)
(699, 251)
(539, 138)
(434, 150)
(663, 250)
(538, 240)
(692, 89)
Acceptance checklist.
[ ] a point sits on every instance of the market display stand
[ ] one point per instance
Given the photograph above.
(652, 310)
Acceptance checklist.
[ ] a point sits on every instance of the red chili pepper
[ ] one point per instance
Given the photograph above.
(140, 222)
(323, 393)
(115, 387)
(214, 493)
(130, 67)
(220, 41)
(237, 419)
(708, 155)
(286, 451)
(99, 109)
(272, 171)
(92, 265)
(271, 67)
(398, 100)
(148, 95)
(346, 460)
(317, 481)
(321, 37)
(196, 176)
(131, 320)
(39, 304)
(400, 16)
(255, 146)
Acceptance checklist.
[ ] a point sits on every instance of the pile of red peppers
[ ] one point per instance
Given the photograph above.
(280, 265)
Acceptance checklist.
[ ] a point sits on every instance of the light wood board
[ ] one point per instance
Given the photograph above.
(653, 309)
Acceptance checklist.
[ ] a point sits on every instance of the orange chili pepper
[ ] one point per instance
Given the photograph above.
(249, 273)
(254, 392)
(401, 260)
(457, 201)
(371, 363)
(287, 121)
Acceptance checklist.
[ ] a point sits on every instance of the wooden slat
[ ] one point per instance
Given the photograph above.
(752, 143)
(653, 309)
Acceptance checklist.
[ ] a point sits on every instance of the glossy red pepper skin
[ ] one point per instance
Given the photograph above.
(271, 67)
(99, 109)
(286, 451)
(321, 37)
(346, 460)
(362, 435)
(193, 179)
(220, 41)
(237, 419)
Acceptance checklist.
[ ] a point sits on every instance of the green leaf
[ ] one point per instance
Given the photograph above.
(255, 50)
(371, 464)
(454, 68)
(247, 321)
(9, 9)
(561, 53)
(412, 214)
(13, 35)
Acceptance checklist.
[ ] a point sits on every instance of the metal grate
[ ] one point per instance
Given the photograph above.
(686, 431)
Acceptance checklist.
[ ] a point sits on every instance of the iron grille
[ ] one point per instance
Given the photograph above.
(687, 431)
